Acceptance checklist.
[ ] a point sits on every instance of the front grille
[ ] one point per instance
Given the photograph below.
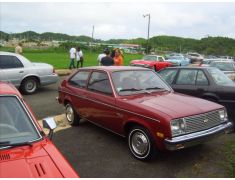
(202, 121)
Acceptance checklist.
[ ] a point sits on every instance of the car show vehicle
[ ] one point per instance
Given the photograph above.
(195, 57)
(136, 103)
(178, 60)
(25, 75)
(228, 68)
(204, 82)
(25, 150)
(154, 62)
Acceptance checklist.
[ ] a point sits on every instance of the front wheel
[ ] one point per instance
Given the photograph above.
(140, 143)
(71, 115)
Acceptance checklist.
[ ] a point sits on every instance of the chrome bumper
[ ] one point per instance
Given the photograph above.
(196, 138)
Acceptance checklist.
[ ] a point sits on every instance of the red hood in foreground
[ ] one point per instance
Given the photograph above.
(34, 161)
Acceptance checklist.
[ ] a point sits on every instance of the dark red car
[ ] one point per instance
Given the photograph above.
(25, 150)
(136, 103)
(154, 62)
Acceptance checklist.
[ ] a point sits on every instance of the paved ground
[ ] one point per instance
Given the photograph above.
(94, 152)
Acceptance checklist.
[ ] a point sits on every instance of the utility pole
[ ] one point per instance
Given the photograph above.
(92, 36)
(147, 50)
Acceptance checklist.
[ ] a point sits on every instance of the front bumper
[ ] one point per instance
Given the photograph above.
(197, 137)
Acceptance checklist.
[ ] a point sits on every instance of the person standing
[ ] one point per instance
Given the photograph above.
(107, 60)
(18, 49)
(72, 55)
(79, 57)
(100, 56)
(118, 58)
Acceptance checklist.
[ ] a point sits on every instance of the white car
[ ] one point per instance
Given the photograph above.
(25, 75)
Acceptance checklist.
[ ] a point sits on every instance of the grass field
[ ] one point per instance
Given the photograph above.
(60, 60)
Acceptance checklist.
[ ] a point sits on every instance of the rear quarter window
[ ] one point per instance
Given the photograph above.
(80, 79)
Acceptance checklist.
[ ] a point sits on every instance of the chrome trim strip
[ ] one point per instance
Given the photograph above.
(27, 112)
(197, 135)
(109, 105)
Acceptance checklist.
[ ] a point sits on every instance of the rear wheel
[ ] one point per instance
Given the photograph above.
(141, 144)
(71, 115)
(29, 85)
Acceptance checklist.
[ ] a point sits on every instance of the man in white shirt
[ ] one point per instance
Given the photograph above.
(100, 56)
(72, 54)
(79, 57)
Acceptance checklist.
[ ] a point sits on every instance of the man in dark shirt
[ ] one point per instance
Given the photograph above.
(107, 60)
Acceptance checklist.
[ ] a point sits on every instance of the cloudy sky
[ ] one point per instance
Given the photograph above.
(113, 20)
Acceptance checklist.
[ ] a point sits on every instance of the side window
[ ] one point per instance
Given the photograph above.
(187, 77)
(168, 75)
(99, 82)
(7, 62)
(160, 59)
(80, 79)
(201, 78)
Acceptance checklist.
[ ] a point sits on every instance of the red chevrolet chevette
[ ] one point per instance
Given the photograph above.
(136, 103)
(25, 150)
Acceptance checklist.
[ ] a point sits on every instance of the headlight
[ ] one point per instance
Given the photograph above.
(178, 127)
(223, 115)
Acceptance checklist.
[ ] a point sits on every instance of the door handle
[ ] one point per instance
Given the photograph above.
(21, 72)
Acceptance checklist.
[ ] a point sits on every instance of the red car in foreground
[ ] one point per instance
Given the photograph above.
(154, 62)
(25, 150)
(137, 104)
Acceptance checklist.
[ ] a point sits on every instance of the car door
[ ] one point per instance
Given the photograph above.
(12, 69)
(77, 91)
(102, 103)
(191, 81)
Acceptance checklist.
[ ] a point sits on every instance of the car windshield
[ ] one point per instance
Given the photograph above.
(15, 124)
(223, 66)
(150, 58)
(130, 82)
(220, 78)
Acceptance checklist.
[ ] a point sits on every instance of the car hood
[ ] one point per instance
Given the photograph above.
(141, 62)
(27, 162)
(174, 105)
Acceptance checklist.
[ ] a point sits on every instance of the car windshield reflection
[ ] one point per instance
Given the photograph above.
(137, 81)
(220, 78)
(16, 126)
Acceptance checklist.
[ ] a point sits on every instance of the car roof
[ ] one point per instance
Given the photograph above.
(113, 68)
(8, 89)
(191, 67)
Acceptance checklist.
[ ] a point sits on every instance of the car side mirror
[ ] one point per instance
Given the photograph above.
(49, 123)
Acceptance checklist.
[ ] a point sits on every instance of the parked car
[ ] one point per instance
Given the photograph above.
(25, 150)
(195, 57)
(24, 74)
(228, 67)
(136, 103)
(204, 82)
(154, 62)
(178, 60)
(207, 62)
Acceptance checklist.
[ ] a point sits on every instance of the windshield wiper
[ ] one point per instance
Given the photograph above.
(8, 143)
(154, 88)
(131, 89)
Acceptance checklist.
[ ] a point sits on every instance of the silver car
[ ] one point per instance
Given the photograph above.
(25, 75)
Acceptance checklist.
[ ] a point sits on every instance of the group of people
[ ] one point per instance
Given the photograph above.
(76, 55)
(114, 58)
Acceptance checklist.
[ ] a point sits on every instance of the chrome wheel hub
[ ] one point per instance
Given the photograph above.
(69, 113)
(139, 143)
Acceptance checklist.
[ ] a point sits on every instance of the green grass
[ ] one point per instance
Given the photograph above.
(60, 60)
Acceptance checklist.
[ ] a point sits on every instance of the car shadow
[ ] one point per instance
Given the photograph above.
(95, 152)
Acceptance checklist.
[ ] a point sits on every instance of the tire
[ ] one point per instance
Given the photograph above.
(71, 115)
(141, 144)
(29, 85)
